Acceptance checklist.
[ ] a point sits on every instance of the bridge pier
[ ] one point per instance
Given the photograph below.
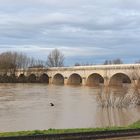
(134, 83)
(50, 80)
(83, 81)
(106, 82)
(65, 80)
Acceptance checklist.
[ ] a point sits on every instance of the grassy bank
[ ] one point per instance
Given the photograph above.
(61, 131)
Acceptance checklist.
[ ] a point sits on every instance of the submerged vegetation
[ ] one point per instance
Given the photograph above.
(135, 125)
(110, 98)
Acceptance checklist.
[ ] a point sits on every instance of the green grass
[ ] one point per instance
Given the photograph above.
(61, 131)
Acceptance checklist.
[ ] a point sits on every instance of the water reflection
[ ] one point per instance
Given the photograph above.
(27, 107)
(116, 116)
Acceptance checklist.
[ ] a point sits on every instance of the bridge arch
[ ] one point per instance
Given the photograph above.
(44, 78)
(22, 78)
(94, 79)
(74, 79)
(58, 79)
(119, 79)
(32, 78)
(1, 79)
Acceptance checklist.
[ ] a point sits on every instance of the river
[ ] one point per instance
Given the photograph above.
(27, 107)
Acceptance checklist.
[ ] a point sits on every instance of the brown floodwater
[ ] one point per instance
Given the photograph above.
(27, 107)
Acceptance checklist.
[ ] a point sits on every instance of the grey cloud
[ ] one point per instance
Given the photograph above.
(98, 28)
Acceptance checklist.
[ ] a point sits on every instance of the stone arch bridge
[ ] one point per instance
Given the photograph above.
(113, 75)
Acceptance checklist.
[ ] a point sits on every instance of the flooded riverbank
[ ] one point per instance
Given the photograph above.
(27, 107)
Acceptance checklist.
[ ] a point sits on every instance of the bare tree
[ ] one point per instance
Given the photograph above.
(137, 62)
(11, 61)
(8, 61)
(55, 59)
(22, 61)
(36, 63)
(77, 64)
(107, 62)
(83, 64)
(115, 61)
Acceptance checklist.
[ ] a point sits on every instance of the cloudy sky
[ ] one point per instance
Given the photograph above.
(84, 30)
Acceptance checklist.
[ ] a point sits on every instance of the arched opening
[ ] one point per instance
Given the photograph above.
(58, 79)
(22, 78)
(44, 78)
(75, 79)
(12, 78)
(95, 80)
(32, 78)
(1, 79)
(5, 78)
(119, 79)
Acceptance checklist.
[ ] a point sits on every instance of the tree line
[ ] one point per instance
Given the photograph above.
(11, 61)
(106, 62)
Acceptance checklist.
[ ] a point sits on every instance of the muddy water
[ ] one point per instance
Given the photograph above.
(27, 107)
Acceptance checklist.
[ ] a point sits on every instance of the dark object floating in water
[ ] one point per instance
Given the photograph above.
(51, 104)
